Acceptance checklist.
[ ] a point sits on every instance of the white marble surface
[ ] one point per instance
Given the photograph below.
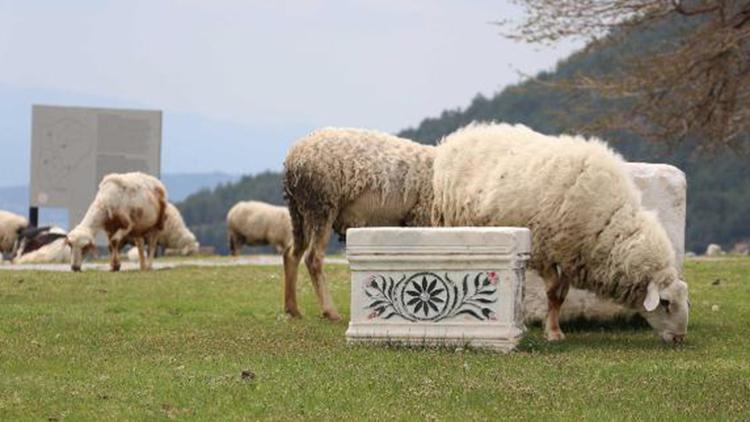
(438, 286)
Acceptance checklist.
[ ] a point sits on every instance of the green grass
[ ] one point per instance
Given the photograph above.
(173, 344)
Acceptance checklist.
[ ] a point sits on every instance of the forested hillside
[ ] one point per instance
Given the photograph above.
(718, 183)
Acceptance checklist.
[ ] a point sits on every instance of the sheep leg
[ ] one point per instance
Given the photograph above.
(291, 264)
(151, 239)
(314, 262)
(556, 292)
(115, 241)
(234, 244)
(141, 256)
(114, 254)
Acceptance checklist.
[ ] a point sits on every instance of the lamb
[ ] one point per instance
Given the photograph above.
(342, 178)
(588, 227)
(11, 226)
(257, 223)
(175, 235)
(127, 205)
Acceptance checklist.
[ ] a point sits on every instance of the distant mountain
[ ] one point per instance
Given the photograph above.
(179, 185)
(15, 199)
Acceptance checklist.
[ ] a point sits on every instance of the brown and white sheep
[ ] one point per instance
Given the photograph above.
(342, 178)
(588, 227)
(257, 223)
(10, 227)
(127, 205)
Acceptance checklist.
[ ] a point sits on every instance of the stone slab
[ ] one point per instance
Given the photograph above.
(458, 286)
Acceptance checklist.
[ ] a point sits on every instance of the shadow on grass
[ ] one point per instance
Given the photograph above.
(583, 334)
(620, 323)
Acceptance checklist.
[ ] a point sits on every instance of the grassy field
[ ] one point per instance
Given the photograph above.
(174, 344)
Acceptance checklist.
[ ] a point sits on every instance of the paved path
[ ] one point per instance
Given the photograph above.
(160, 264)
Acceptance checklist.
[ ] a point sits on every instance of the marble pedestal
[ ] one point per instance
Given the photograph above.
(459, 286)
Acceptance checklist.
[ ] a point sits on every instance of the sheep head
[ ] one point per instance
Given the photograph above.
(666, 309)
(188, 245)
(81, 242)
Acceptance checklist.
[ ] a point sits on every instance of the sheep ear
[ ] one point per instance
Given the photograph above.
(652, 297)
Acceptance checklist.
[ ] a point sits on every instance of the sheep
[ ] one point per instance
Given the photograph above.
(33, 245)
(257, 223)
(11, 226)
(127, 205)
(714, 250)
(588, 227)
(48, 246)
(341, 178)
(175, 235)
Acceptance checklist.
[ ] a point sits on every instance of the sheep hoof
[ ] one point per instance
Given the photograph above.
(293, 313)
(332, 316)
(555, 335)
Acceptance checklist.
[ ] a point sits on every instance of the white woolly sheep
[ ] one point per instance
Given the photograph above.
(175, 235)
(10, 227)
(257, 223)
(126, 205)
(342, 178)
(714, 250)
(588, 227)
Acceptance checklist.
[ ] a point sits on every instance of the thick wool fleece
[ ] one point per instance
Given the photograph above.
(583, 210)
(10, 224)
(355, 178)
(259, 223)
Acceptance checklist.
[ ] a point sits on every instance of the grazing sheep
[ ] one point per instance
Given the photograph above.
(11, 226)
(588, 227)
(175, 235)
(714, 250)
(47, 246)
(257, 223)
(126, 205)
(741, 248)
(342, 178)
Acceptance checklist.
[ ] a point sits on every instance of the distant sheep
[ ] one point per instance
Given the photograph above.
(130, 205)
(174, 236)
(588, 227)
(11, 226)
(257, 223)
(342, 178)
(47, 246)
(714, 250)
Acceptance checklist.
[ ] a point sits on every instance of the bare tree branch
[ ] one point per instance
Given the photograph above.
(695, 81)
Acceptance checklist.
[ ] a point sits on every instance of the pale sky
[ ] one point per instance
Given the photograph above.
(239, 80)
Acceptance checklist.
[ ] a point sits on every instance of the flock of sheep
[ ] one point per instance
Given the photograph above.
(588, 227)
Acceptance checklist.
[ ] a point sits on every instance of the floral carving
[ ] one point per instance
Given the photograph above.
(426, 296)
